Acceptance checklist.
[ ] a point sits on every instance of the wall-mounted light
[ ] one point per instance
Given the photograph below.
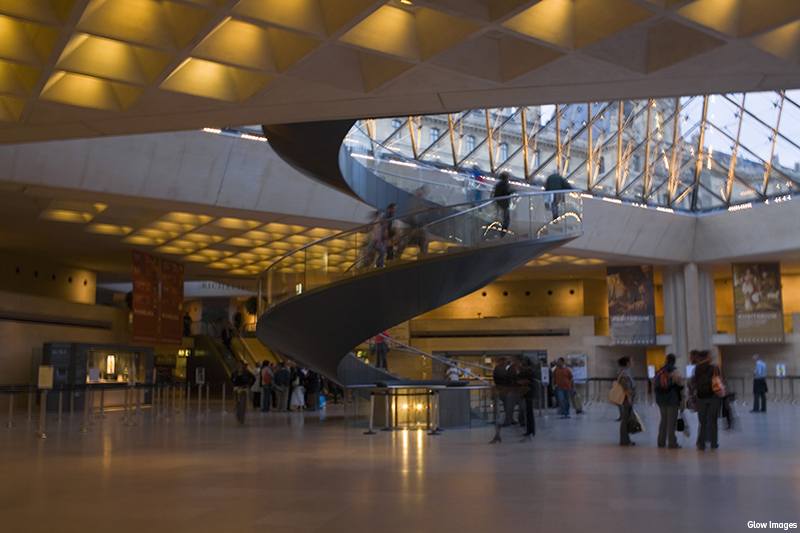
(111, 364)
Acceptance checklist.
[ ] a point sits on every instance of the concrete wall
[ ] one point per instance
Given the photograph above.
(194, 167)
(37, 276)
(20, 337)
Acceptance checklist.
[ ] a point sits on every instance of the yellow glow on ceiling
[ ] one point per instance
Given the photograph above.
(11, 108)
(26, 43)
(172, 226)
(304, 15)
(203, 238)
(143, 240)
(242, 44)
(246, 256)
(154, 23)
(86, 91)
(236, 223)
(213, 80)
(320, 233)
(222, 266)
(299, 239)
(186, 243)
(62, 215)
(247, 243)
(47, 12)
(112, 60)
(108, 229)
(174, 250)
(214, 254)
(283, 229)
(197, 258)
(574, 24)
(17, 80)
(69, 211)
(187, 218)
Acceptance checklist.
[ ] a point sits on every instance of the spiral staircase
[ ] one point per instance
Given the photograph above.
(323, 299)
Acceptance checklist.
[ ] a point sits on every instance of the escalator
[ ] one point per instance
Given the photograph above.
(211, 354)
(328, 296)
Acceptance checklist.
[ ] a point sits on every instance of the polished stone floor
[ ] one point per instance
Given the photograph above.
(298, 473)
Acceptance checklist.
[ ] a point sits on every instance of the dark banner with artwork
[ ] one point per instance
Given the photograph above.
(631, 305)
(171, 302)
(757, 302)
(145, 298)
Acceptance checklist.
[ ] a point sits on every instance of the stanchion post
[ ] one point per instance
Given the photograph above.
(775, 385)
(371, 413)
(102, 413)
(60, 405)
(71, 402)
(782, 400)
(188, 397)
(791, 390)
(40, 432)
(85, 424)
(224, 388)
(388, 415)
(180, 399)
(129, 414)
(10, 423)
(30, 404)
(744, 393)
(199, 401)
(124, 417)
(208, 398)
(166, 406)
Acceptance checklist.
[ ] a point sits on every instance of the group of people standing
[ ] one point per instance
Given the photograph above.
(279, 387)
(704, 392)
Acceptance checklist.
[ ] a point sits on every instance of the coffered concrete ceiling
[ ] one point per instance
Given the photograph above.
(81, 68)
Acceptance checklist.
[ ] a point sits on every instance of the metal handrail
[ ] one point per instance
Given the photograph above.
(246, 347)
(366, 227)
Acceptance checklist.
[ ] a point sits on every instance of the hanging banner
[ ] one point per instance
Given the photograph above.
(757, 303)
(171, 319)
(631, 305)
(145, 298)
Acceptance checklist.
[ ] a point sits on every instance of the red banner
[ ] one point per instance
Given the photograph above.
(171, 302)
(145, 298)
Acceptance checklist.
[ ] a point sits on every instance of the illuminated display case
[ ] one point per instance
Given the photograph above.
(82, 363)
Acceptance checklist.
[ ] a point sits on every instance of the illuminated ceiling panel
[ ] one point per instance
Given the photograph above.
(213, 80)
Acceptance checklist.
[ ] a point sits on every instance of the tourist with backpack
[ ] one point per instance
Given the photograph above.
(668, 386)
(707, 400)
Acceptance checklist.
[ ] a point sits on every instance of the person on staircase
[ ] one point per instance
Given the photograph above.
(502, 190)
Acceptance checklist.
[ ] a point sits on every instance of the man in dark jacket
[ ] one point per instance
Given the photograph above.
(282, 383)
(501, 190)
(555, 182)
(669, 400)
(526, 379)
(707, 401)
(242, 380)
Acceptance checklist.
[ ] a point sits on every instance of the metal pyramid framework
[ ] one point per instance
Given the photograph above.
(691, 153)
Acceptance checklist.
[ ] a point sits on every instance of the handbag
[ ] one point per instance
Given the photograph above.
(680, 425)
(617, 394)
(635, 424)
(718, 384)
(577, 400)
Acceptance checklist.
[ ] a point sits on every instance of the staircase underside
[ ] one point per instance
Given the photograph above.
(319, 328)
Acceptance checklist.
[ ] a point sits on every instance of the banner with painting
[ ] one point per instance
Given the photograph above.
(757, 303)
(157, 300)
(631, 305)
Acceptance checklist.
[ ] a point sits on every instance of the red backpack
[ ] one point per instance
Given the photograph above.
(662, 381)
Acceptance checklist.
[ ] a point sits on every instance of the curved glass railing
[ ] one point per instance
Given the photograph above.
(419, 235)
(362, 160)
